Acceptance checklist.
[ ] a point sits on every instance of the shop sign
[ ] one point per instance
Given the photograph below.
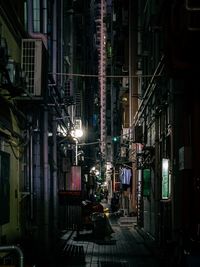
(166, 179)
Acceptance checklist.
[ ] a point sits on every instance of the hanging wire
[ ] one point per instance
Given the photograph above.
(106, 76)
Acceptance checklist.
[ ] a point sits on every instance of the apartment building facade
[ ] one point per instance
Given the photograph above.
(164, 127)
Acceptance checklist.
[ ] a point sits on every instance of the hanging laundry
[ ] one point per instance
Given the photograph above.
(125, 177)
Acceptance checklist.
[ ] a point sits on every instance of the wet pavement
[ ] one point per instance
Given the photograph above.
(125, 248)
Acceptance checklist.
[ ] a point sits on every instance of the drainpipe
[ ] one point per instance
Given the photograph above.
(43, 37)
(55, 42)
(46, 178)
(172, 112)
(31, 171)
(45, 146)
(54, 175)
(54, 123)
(36, 35)
(44, 17)
(61, 41)
(18, 250)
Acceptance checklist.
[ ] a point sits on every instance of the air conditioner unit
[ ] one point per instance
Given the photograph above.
(32, 64)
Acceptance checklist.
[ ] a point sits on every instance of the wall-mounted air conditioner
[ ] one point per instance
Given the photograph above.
(32, 64)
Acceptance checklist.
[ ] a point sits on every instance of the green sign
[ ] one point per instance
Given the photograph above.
(166, 186)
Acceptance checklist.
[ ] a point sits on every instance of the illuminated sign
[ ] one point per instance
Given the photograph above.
(166, 179)
(73, 179)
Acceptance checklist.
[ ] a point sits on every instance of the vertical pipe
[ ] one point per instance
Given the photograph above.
(173, 157)
(31, 171)
(54, 126)
(37, 171)
(16, 249)
(27, 168)
(76, 153)
(55, 42)
(54, 174)
(44, 17)
(46, 178)
(61, 40)
(1, 233)
(36, 35)
(46, 148)
(157, 181)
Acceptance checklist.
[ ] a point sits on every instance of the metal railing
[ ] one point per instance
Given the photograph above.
(16, 249)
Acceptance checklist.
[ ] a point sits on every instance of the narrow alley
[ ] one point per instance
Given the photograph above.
(99, 133)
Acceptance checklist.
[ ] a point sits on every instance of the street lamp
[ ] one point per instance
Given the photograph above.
(76, 152)
(77, 133)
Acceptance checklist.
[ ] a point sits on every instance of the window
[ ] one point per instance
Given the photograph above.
(36, 16)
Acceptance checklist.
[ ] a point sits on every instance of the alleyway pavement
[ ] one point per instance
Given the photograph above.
(125, 248)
